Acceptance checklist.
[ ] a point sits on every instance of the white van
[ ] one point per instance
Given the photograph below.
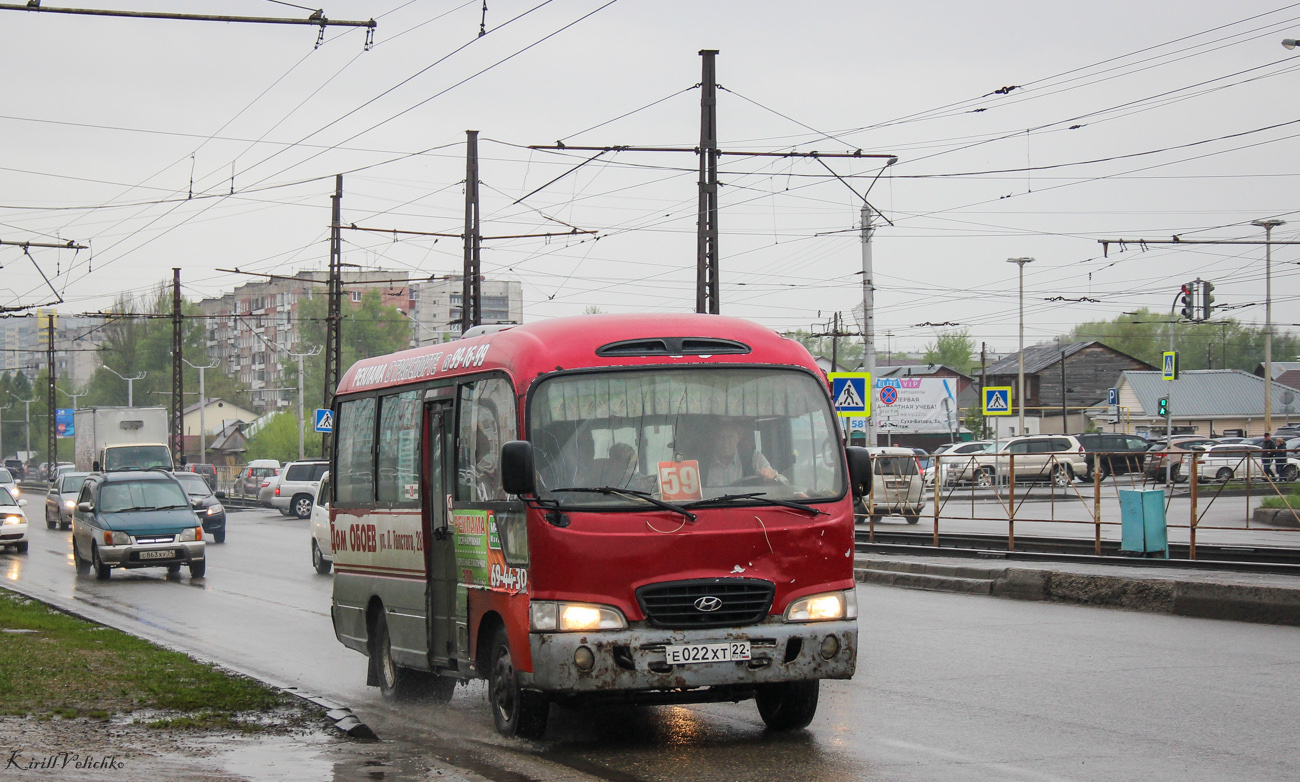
(898, 487)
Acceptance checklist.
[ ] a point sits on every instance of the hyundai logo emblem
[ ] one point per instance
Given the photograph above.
(708, 603)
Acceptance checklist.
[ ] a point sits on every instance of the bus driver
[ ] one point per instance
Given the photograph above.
(728, 467)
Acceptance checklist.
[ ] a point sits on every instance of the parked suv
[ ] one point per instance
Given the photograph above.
(1118, 453)
(299, 482)
(1039, 457)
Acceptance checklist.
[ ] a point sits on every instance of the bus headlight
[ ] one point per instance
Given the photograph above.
(546, 615)
(823, 607)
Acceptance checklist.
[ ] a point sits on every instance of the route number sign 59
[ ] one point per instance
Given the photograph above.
(680, 480)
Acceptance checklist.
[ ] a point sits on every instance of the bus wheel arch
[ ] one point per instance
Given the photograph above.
(515, 711)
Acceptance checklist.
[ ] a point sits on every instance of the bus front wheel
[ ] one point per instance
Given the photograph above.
(516, 711)
(788, 705)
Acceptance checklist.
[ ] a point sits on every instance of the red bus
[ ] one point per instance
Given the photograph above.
(640, 508)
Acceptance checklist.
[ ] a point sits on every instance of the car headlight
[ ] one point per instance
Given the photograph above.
(823, 607)
(215, 509)
(16, 491)
(70, 504)
(15, 520)
(116, 538)
(547, 615)
(192, 533)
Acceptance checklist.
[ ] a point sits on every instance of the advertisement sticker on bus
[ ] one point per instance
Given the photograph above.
(478, 553)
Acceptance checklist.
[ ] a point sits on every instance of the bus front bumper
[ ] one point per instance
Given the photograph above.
(635, 659)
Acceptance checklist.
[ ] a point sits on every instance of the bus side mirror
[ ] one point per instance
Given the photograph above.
(94, 466)
(517, 476)
(859, 470)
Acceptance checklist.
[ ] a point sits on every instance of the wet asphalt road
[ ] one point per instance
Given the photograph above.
(950, 687)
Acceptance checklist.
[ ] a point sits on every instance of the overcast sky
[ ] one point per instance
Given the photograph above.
(1136, 119)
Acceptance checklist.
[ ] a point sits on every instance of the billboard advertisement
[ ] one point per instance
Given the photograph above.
(63, 421)
(915, 405)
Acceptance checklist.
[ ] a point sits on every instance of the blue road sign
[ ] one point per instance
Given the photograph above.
(324, 420)
(1169, 370)
(849, 392)
(997, 400)
(1112, 396)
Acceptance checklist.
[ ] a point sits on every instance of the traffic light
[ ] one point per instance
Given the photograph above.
(1163, 410)
(1188, 300)
(1207, 300)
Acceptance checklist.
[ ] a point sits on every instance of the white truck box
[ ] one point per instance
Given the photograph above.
(96, 427)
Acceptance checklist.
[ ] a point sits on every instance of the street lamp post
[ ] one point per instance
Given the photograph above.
(130, 384)
(1020, 389)
(1268, 226)
(27, 417)
(203, 405)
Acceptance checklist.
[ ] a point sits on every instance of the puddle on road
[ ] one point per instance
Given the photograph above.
(315, 757)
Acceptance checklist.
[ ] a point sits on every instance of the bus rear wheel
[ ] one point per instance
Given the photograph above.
(788, 705)
(516, 711)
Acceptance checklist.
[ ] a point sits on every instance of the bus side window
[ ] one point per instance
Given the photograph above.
(355, 483)
(399, 448)
(487, 421)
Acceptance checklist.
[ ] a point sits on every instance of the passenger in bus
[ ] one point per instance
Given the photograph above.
(730, 465)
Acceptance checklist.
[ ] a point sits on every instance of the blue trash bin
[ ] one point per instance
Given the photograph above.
(1142, 520)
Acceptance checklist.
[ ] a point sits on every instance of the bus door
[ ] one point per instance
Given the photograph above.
(444, 651)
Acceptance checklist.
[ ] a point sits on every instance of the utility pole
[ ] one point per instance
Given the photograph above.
(130, 383)
(52, 452)
(706, 238)
(203, 405)
(868, 316)
(471, 297)
(707, 275)
(1065, 427)
(178, 371)
(334, 319)
(2, 428)
(984, 420)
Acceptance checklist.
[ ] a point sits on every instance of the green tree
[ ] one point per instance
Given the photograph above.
(1227, 343)
(278, 439)
(135, 346)
(371, 328)
(954, 349)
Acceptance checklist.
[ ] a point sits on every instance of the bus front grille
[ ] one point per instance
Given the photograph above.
(713, 602)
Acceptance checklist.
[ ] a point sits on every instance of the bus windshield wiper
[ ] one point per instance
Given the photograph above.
(726, 498)
(640, 495)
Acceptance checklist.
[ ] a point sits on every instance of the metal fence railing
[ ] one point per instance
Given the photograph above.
(1216, 490)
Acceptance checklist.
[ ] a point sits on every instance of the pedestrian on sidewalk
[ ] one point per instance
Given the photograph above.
(1279, 456)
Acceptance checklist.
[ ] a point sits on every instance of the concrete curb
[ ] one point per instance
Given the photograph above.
(1277, 517)
(1181, 597)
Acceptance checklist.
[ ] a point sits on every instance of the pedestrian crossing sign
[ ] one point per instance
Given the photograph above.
(324, 420)
(997, 400)
(1170, 368)
(849, 393)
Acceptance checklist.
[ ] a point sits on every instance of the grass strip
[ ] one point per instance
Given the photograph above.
(53, 664)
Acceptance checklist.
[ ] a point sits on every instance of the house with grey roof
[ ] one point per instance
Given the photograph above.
(1285, 372)
(1090, 370)
(1206, 402)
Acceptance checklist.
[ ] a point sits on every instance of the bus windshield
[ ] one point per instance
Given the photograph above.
(685, 434)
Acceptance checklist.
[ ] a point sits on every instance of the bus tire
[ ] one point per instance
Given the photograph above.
(516, 711)
(395, 682)
(788, 705)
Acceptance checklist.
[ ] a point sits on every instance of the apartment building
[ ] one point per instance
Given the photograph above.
(23, 343)
(250, 329)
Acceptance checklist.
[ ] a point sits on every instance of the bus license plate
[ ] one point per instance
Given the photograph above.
(157, 554)
(707, 653)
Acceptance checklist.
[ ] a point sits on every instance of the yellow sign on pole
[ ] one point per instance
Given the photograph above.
(997, 400)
